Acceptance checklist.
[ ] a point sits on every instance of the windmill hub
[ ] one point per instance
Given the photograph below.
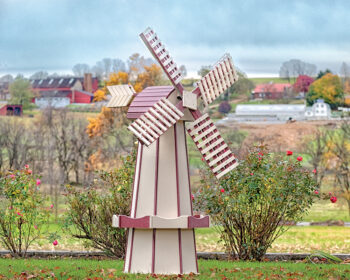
(161, 224)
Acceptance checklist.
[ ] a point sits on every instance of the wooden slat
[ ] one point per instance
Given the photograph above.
(209, 130)
(213, 145)
(220, 157)
(191, 125)
(228, 169)
(223, 164)
(207, 140)
(216, 151)
(151, 124)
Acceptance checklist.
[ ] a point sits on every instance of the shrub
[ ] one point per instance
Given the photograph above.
(224, 107)
(23, 215)
(250, 203)
(90, 211)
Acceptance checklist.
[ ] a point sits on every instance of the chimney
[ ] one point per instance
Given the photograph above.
(88, 82)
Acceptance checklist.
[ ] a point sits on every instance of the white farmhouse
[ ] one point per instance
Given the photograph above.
(319, 110)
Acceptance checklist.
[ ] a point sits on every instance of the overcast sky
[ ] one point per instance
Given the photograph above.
(53, 35)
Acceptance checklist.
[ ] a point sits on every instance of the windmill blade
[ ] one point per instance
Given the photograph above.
(155, 121)
(159, 52)
(212, 146)
(219, 79)
(121, 95)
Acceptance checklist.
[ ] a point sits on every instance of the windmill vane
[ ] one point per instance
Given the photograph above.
(161, 224)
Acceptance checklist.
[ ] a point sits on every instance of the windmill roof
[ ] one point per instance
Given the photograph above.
(146, 99)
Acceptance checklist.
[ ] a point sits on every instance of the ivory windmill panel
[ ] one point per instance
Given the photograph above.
(136, 180)
(167, 195)
(167, 258)
(183, 170)
(128, 251)
(145, 203)
(189, 260)
(142, 251)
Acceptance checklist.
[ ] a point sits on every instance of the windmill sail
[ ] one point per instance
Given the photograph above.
(159, 52)
(158, 119)
(121, 95)
(212, 146)
(219, 79)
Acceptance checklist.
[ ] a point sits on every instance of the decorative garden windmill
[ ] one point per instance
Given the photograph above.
(161, 237)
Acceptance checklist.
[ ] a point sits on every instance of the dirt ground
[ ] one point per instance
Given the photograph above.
(281, 136)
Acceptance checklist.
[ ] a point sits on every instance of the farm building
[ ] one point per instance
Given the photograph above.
(10, 110)
(281, 112)
(318, 110)
(271, 91)
(60, 92)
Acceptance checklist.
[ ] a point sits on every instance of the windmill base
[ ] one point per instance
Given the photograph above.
(161, 251)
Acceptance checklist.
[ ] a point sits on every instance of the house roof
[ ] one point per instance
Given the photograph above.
(52, 93)
(271, 87)
(146, 99)
(59, 82)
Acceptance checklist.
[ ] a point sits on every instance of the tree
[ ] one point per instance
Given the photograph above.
(328, 88)
(183, 70)
(152, 76)
(39, 75)
(107, 66)
(204, 70)
(295, 67)
(80, 68)
(224, 107)
(242, 86)
(118, 65)
(302, 83)
(136, 64)
(20, 91)
(6, 79)
(344, 72)
(322, 73)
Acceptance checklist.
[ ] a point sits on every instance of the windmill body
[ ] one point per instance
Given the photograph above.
(161, 224)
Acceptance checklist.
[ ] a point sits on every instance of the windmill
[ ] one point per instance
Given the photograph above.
(161, 225)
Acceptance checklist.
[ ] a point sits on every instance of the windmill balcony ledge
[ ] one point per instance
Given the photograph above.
(156, 222)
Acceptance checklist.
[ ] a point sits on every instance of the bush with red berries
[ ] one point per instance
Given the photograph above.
(23, 212)
(252, 202)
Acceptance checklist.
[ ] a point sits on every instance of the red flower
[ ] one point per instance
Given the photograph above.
(222, 190)
(12, 176)
(260, 158)
(260, 154)
(289, 153)
(202, 158)
(299, 158)
(51, 206)
(29, 171)
(316, 192)
(333, 199)
(26, 166)
(55, 243)
(38, 182)
(252, 173)
(314, 171)
(192, 196)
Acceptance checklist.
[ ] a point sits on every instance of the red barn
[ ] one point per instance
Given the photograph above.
(10, 110)
(56, 91)
(270, 91)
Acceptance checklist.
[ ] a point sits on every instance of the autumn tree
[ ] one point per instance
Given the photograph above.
(302, 84)
(20, 91)
(151, 76)
(328, 88)
(322, 73)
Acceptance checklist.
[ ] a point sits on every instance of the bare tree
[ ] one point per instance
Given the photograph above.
(39, 75)
(295, 67)
(118, 65)
(183, 70)
(80, 68)
(107, 66)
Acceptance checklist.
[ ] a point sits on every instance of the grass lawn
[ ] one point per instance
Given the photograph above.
(111, 269)
(295, 240)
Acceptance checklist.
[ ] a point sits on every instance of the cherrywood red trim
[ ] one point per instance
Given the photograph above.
(198, 222)
(180, 250)
(138, 181)
(127, 222)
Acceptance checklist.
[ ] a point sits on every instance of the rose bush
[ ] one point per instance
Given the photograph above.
(250, 205)
(90, 211)
(23, 214)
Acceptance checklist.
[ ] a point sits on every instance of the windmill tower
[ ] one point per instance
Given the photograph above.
(161, 238)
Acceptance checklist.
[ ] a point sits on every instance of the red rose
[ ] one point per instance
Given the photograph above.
(299, 158)
(202, 158)
(222, 190)
(333, 199)
(260, 154)
(289, 153)
(316, 192)
(252, 174)
(314, 171)
(192, 196)
(55, 243)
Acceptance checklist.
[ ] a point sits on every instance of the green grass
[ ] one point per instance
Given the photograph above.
(208, 269)
(296, 240)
